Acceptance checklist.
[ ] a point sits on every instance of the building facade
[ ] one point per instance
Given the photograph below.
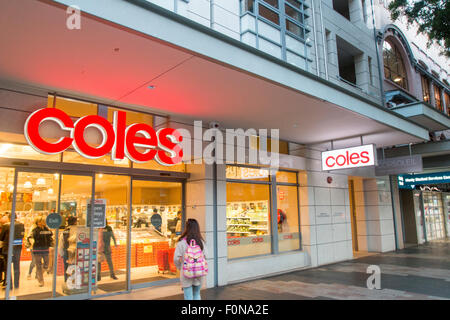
(316, 70)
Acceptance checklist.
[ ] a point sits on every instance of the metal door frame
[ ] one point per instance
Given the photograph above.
(19, 170)
(131, 286)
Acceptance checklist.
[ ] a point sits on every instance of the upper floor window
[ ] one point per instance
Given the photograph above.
(447, 102)
(394, 68)
(437, 98)
(425, 89)
(290, 13)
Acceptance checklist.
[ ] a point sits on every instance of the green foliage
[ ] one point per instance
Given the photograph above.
(432, 17)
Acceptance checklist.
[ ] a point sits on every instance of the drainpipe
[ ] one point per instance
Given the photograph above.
(394, 211)
(380, 75)
(315, 36)
(322, 29)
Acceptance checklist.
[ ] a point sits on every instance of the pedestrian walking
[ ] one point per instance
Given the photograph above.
(190, 259)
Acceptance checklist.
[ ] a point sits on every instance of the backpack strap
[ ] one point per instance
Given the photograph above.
(193, 243)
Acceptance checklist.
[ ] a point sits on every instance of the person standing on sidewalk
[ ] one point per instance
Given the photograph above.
(42, 237)
(191, 286)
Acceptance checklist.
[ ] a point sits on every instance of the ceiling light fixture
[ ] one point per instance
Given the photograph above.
(398, 79)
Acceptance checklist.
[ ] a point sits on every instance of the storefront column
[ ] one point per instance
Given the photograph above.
(324, 212)
(375, 225)
(399, 226)
(200, 206)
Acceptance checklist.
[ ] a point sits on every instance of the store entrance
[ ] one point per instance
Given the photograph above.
(41, 253)
(133, 247)
(434, 215)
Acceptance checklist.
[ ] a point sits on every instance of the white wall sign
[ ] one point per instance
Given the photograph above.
(361, 156)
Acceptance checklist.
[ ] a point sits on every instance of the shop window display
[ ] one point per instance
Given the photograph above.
(155, 226)
(248, 220)
(434, 215)
(248, 211)
(287, 217)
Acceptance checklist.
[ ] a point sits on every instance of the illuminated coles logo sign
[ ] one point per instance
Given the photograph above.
(139, 142)
(349, 158)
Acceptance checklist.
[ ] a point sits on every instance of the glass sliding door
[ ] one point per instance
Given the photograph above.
(32, 254)
(72, 271)
(114, 192)
(155, 226)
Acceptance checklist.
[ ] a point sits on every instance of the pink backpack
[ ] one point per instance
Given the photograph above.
(194, 263)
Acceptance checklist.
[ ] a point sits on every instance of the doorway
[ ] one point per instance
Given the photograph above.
(141, 215)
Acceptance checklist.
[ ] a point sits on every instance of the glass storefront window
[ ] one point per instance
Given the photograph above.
(72, 107)
(74, 157)
(248, 174)
(132, 117)
(286, 177)
(288, 227)
(72, 273)
(33, 246)
(248, 219)
(17, 151)
(153, 165)
(248, 211)
(114, 192)
(156, 224)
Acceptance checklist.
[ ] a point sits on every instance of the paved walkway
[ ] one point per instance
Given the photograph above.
(421, 272)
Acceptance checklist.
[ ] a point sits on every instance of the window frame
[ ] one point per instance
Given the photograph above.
(425, 88)
(273, 204)
(283, 17)
(437, 94)
(399, 61)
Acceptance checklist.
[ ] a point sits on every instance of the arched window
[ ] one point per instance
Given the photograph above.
(394, 68)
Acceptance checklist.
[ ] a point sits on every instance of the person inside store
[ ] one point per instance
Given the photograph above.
(3, 220)
(28, 245)
(191, 286)
(282, 221)
(104, 250)
(42, 241)
(69, 230)
(178, 224)
(19, 232)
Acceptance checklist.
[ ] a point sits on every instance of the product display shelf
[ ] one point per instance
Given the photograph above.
(247, 218)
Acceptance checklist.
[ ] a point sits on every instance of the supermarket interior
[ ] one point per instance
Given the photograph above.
(156, 220)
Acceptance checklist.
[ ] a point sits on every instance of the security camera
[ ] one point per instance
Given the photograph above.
(214, 125)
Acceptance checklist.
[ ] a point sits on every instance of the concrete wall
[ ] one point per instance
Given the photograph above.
(224, 16)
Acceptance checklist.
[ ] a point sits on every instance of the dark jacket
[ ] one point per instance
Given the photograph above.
(107, 235)
(19, 231)
(42, 239)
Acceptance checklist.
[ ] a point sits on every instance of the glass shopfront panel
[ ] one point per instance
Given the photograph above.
(247, 174)
(6, 200)
(19, 151)
(434, 215)
(33, 244)
(72, 272)
(155, 226)
(248, 219)
(112, 191)
(288, 228)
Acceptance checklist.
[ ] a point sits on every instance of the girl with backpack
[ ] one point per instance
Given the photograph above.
(190, 259)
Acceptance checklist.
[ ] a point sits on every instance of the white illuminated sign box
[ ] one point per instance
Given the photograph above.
(361, 156)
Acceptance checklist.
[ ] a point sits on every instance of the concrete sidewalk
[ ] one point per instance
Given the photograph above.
(420, 272)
